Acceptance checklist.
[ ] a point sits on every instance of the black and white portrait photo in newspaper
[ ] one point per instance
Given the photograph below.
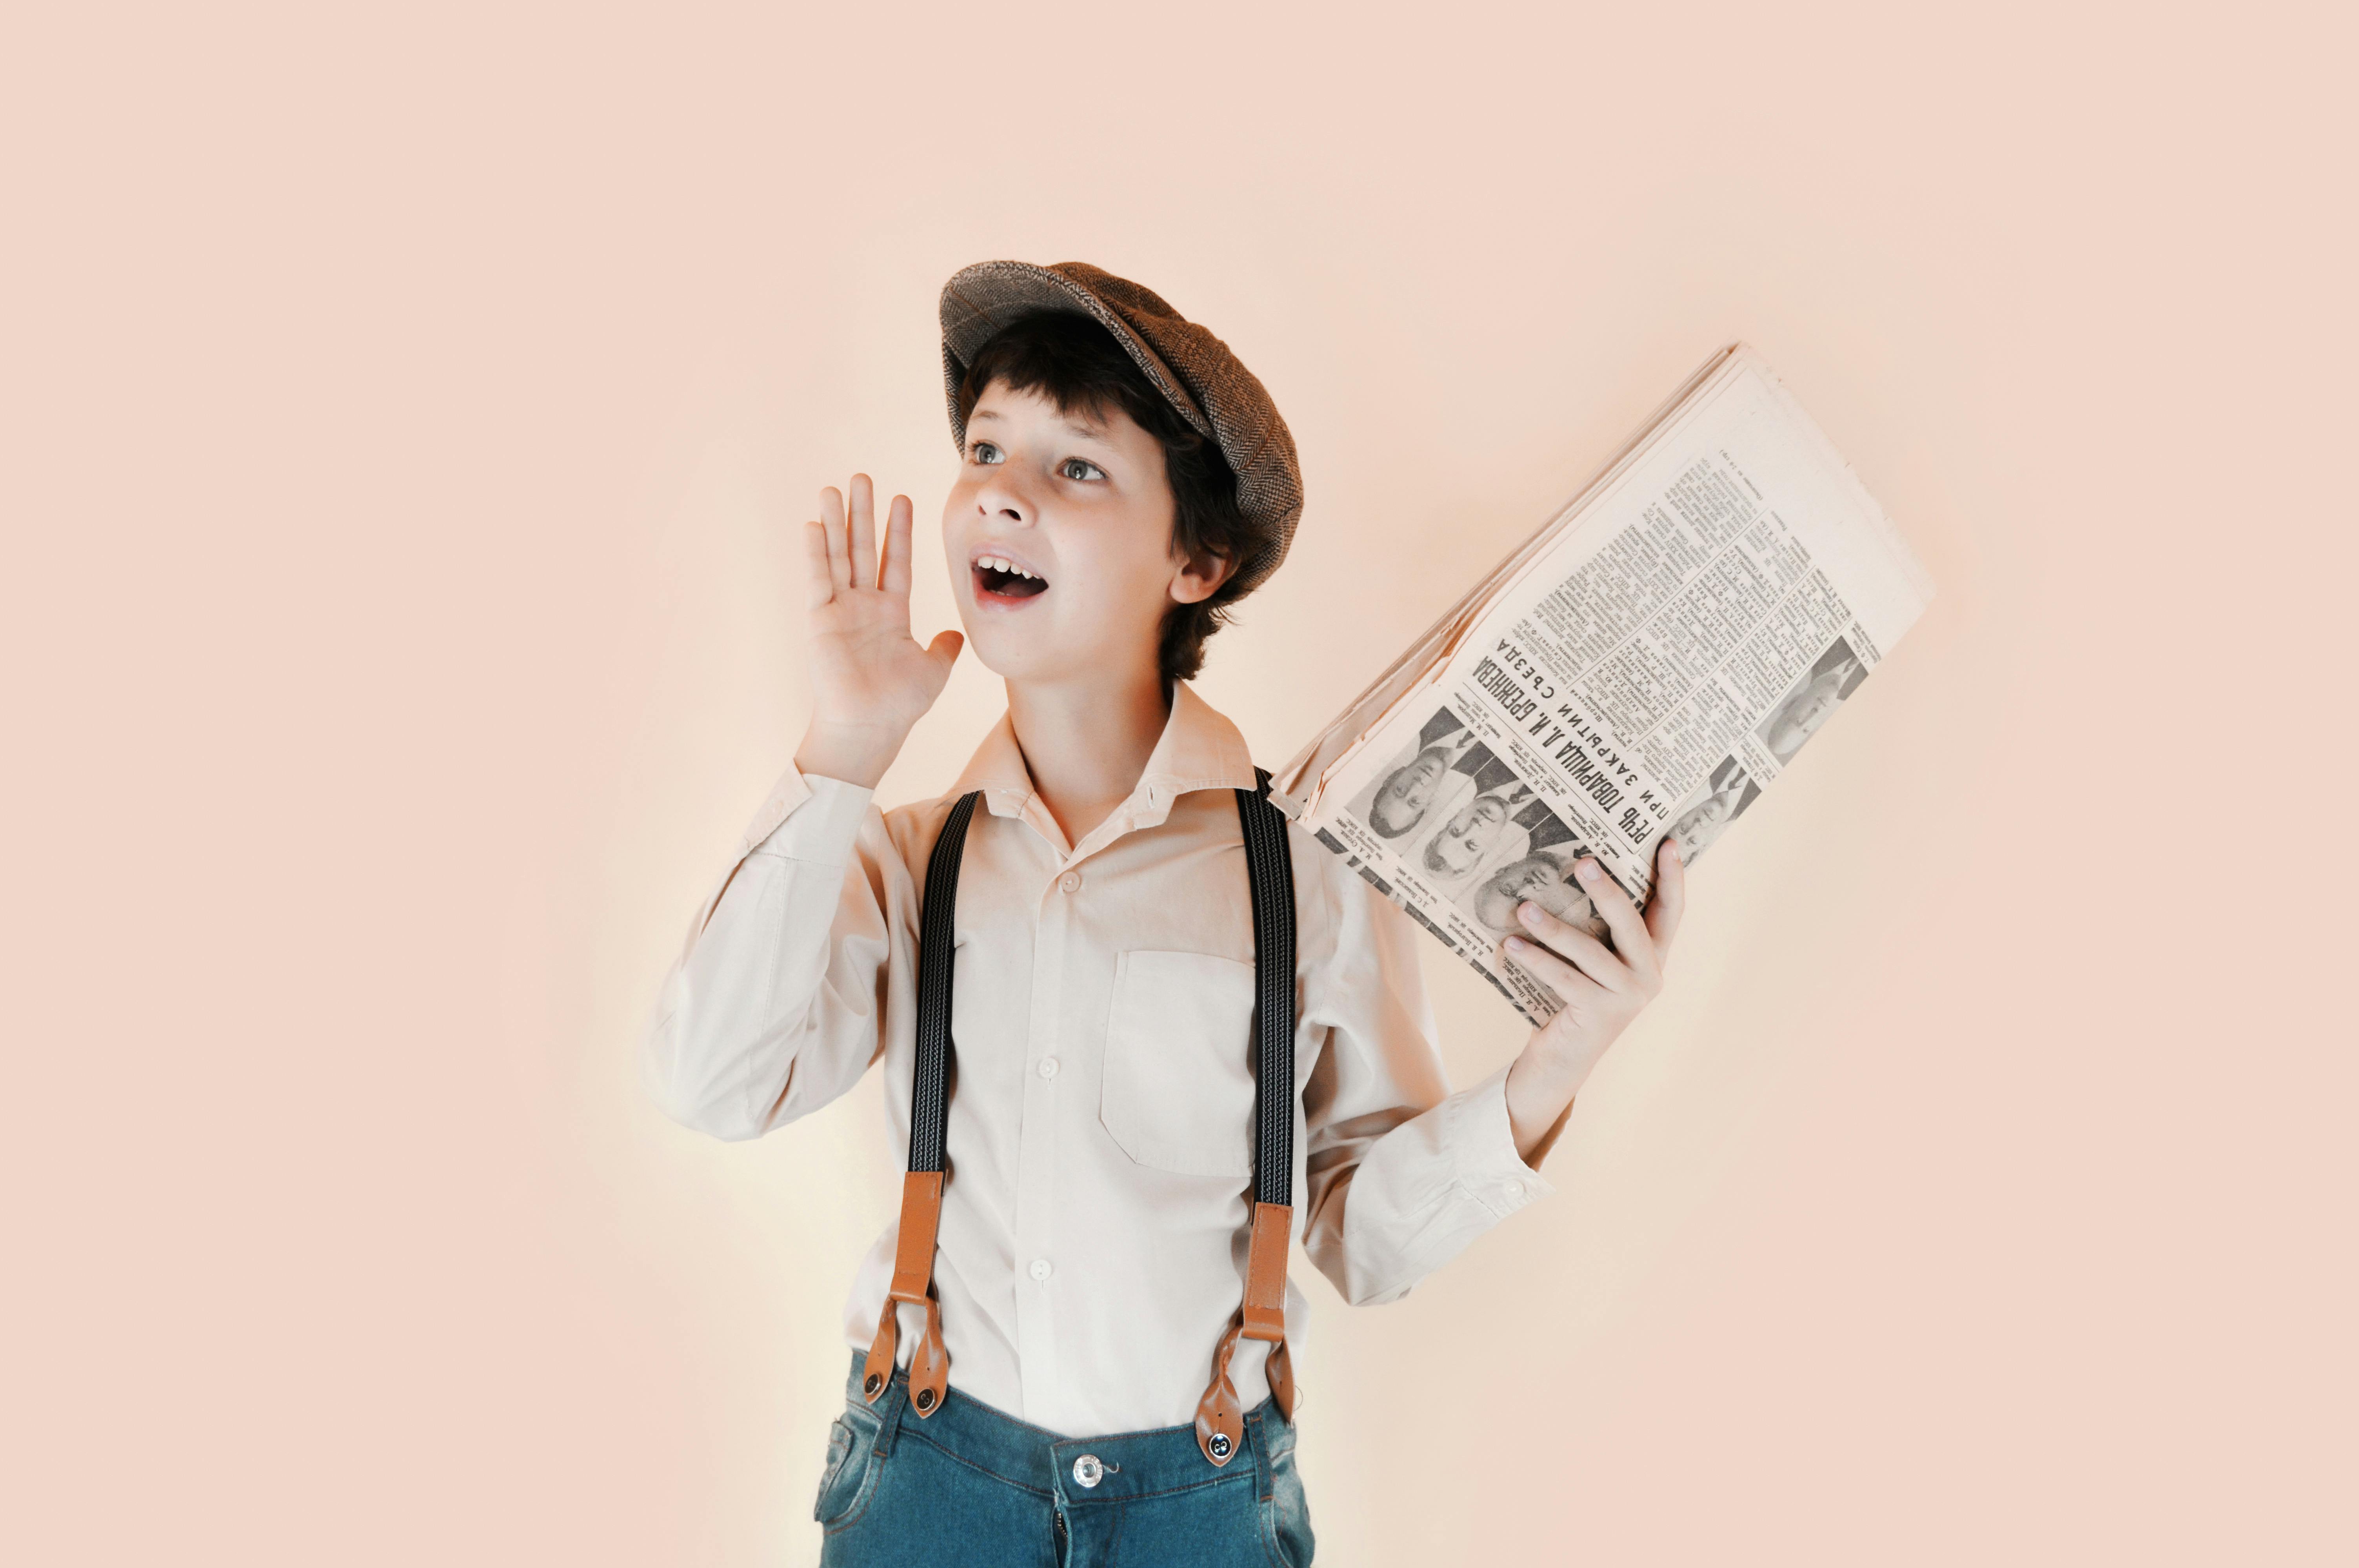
(1428, 781)
(1705, 815)
(1472, 830)
(1812, 700)
(1537, 864)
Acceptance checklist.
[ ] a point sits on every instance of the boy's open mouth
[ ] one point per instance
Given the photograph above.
(996, 577)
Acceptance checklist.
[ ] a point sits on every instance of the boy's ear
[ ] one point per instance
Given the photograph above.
(1199, 579)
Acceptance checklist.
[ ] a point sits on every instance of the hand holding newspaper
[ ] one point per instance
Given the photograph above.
(1645, 666)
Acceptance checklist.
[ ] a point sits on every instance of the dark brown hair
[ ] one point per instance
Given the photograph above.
(1076, 364)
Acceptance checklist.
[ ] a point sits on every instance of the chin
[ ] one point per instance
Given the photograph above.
(1012, 655)
(997, 663)
(1002, 650)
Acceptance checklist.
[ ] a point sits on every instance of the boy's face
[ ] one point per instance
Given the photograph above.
(1073, 514)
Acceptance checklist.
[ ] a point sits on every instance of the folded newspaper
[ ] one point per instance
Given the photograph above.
(1642, 666)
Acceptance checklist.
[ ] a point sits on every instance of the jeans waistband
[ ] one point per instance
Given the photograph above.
(1125, 1465)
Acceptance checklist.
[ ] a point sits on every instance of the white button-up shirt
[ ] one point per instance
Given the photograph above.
(1093, 1225)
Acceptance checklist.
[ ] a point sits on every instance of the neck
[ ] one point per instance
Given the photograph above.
(1086, 743)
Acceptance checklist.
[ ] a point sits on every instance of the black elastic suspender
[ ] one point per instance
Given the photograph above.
(1270, 876)
(930, 1093)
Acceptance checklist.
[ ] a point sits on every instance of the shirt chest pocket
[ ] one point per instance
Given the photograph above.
(1178, 1091)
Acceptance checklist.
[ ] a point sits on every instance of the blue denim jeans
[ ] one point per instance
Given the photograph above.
(968, 1485)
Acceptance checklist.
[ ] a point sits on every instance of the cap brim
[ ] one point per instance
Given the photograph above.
(983, 299)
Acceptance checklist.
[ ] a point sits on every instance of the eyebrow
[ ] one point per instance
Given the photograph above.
(1095, 430)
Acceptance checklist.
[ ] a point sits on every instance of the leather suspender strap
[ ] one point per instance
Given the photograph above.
(1269, 873)
(929, 1095)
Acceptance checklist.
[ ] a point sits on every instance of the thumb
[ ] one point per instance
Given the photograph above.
(944, 649)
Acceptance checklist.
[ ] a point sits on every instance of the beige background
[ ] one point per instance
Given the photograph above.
(403, 419)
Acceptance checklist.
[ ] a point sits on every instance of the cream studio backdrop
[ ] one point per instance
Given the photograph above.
(407, 420)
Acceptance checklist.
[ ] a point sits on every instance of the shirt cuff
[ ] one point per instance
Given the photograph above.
(1483, 1148)
(808, 818)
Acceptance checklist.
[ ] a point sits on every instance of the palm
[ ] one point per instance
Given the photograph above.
(867, 672)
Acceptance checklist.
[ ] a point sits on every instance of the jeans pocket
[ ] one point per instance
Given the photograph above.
(850, 1447)
(1286, 1517)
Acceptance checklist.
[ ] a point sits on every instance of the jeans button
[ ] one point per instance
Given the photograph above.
(1088, 1471)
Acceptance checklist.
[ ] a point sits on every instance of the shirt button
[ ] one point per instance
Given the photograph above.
(1513, 1189)
(1071, 882)
(1047, 1066)
(1041, 1270)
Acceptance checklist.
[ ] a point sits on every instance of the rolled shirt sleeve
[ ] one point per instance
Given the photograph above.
(772, 1008)
(1401, 1175)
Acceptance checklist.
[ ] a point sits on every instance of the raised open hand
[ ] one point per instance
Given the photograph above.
(871, 682)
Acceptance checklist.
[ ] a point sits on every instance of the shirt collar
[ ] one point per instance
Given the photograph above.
(1199, 749)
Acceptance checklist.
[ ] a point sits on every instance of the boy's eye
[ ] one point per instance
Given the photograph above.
(1075, 467)
(984, 452)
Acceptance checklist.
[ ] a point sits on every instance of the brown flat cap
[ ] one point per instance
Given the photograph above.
(1192, 368)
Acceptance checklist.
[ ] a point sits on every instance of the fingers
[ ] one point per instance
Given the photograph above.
(863, 532)
(1631, 938)
(839, 545)
(893, 575)
(1669, 902)
(1560, 976)
(944, 648)
(817, 588)
(1577, 947)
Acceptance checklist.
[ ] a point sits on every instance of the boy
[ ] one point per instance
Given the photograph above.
(1027, 1390)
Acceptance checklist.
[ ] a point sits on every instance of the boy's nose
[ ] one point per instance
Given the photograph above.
(1003, 500)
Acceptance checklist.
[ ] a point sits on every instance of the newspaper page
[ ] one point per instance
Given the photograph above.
(1647, 665)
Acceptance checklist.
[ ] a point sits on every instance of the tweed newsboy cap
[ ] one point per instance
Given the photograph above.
(1219, 397)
